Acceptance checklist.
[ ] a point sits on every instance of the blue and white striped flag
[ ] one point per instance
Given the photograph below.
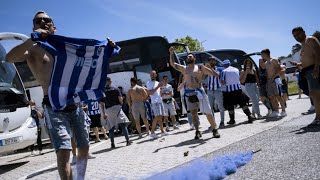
(80, 68)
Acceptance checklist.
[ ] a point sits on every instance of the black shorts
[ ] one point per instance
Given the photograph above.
(95, 121)
(230, 99)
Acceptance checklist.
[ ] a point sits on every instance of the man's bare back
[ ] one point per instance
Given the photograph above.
(272, 67)
(137, 94)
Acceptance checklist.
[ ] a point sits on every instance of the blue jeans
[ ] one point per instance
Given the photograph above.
(60, 125)
(124, 129)
(253, 94)
(189, 115)
(216, 98)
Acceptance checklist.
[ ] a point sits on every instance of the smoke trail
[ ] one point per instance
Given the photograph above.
(215, 169)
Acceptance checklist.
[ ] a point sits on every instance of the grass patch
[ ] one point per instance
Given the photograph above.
(293, 88)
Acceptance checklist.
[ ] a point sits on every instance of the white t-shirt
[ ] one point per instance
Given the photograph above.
(166, 89)
(155, 97)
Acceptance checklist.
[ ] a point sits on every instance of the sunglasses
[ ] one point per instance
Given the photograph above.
(39, 20)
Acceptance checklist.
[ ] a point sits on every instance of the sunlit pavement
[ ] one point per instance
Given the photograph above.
(146, 157)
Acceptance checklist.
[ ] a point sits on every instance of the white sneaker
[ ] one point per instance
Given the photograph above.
(175, 127)
(259, 116)
(153, 136)
(33, 152)
(164, 134)
(311, 109)
(167, 129)
(274, 114)
(283, 114)
(253, 116)
(90, 156)
(192, 127)
(40, 153)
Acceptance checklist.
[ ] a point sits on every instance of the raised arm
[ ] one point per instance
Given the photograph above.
(20, 52)
(175, 65)
(208, 71)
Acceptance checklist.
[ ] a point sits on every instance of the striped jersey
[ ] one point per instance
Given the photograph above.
(93, 107)
(213, 81)
(231, 76)
(80, 68)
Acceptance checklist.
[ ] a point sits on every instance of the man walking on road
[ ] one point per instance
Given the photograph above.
(232, 93)
(214, 89)
(137, 95)
(196, 98)
(62, 112)
(310, 61)
(274, 84)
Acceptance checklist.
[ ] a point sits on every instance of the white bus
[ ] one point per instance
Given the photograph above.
(17, 128)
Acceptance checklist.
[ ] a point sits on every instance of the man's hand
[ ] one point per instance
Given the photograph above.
(44, 32)
(160, 84)
(113, 44)
(171, 50)
(315, 73)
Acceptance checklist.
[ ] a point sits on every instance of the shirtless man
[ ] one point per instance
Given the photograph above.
(40, 63)
(310, 61)
(274, 85)
(195, 95)
(137, 95)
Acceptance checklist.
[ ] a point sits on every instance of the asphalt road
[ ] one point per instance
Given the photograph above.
(288, 151)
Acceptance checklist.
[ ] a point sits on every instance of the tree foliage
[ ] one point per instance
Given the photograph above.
(193, 44)
(295, 48)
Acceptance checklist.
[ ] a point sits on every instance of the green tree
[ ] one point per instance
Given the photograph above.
(317, 35)
(193, 44)
(295, 48)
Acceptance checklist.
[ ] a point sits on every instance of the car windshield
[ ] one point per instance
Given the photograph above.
(11, 88)
(8, 74)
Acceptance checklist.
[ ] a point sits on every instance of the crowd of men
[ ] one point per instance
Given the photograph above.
(66, 116)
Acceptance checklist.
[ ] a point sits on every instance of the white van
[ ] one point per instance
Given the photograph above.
(17, 128)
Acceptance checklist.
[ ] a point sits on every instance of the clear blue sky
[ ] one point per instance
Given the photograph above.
(248, 25)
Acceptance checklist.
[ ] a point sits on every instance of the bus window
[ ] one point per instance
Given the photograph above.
(127, 58)
(167, 73)
(143, 73)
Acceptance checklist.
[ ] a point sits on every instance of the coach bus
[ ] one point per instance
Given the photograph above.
(17, 128)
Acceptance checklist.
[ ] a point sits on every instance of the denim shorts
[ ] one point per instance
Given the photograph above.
(64, 125)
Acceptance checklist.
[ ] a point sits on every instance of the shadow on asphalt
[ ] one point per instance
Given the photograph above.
(9, 167)
(106, 150)
(197, 142)
(268, 119)
(234, 125)
(307, 129)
